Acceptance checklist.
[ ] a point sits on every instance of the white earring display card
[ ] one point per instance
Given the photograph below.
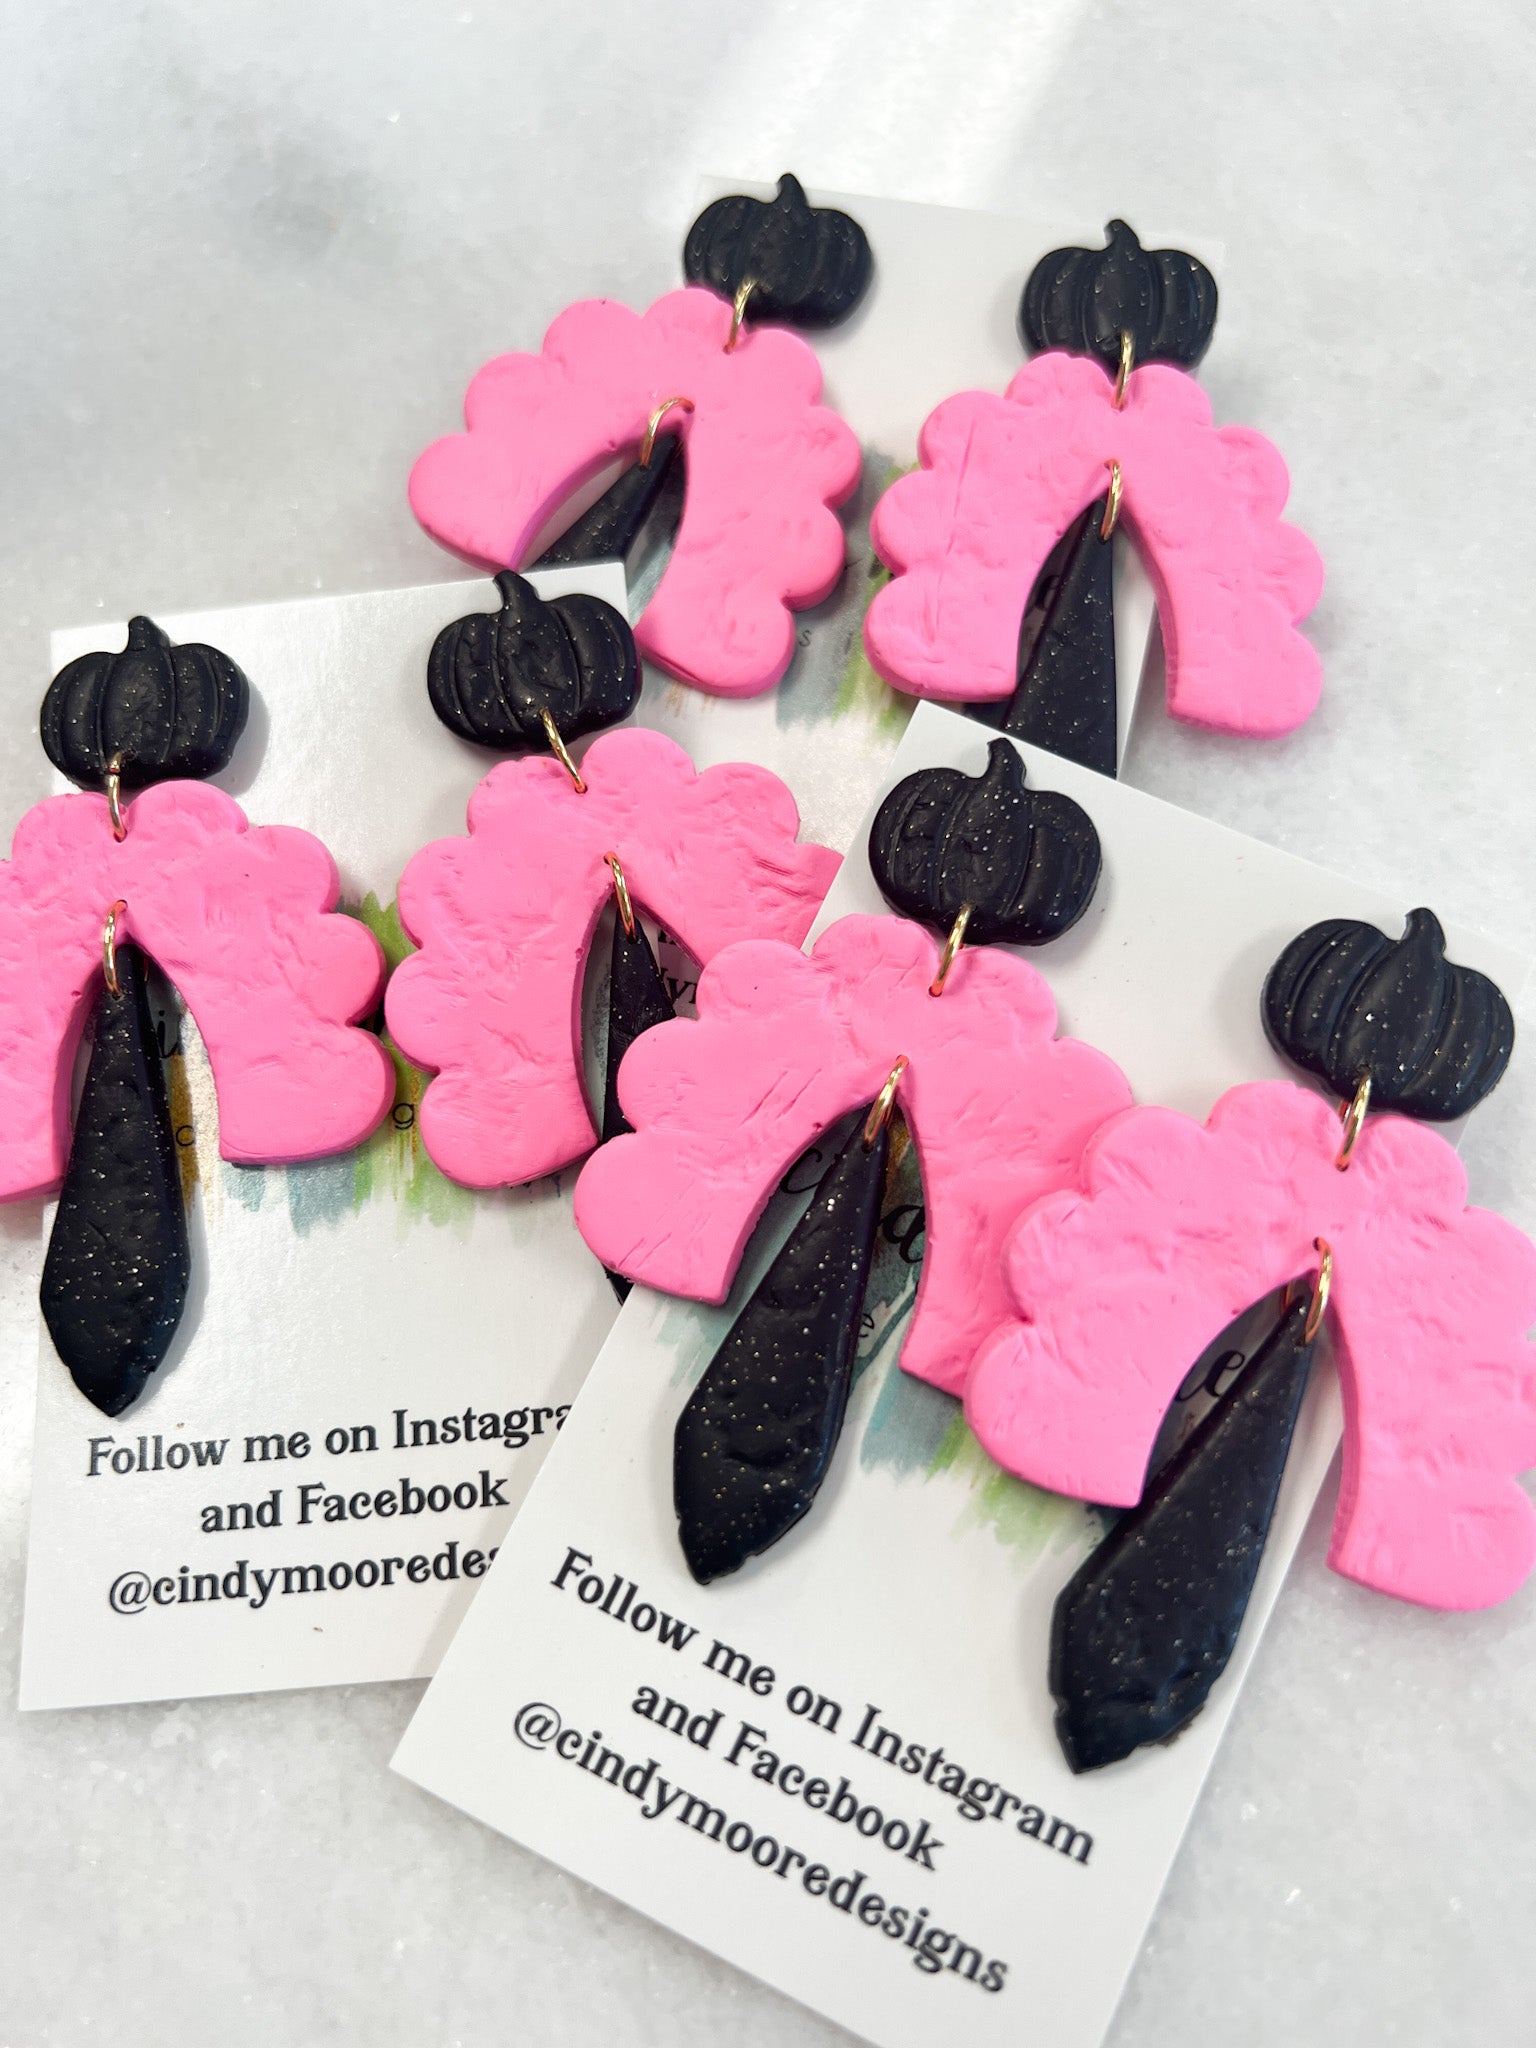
(837, 1768)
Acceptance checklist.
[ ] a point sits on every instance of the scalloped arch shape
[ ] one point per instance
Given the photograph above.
(1001, 480)
(504, 919)
(1176, 1227)
(785, 1044)
(766, 464)
(242, 919)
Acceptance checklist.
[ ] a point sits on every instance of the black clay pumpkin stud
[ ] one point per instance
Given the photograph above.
(802, 265)
(1391, 1019)
(495, 677)
(1091, 301)
(1149, 1622)
(1018, 865)
(979, 859)
(155, 710)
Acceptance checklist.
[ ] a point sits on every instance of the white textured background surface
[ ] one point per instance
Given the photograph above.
(251, 253)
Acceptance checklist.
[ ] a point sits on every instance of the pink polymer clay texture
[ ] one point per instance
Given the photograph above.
(1003, 478)
(1118, 1286)
(240, 919)
(786, 1044)
(765, 460)
(504, 919)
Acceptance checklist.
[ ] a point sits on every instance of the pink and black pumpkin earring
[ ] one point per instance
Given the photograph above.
(491, 1002)
(1000, 543)
(785, 1046)
(238, 918)
(1175, 1229)
(765, 462)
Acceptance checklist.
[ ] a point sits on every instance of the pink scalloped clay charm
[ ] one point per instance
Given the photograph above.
(239, 918)
(504, 918)
(1179, 1226)
(784, 1045)
(765, 464)
(1003, 478)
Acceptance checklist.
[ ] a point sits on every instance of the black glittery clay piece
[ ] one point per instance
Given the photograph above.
(167, 711)
(1146, 1626)
(115, 1278)
(637, 999)
(1345, 1002)
(809, 265)
(1026, 860)
(754, 1442)
(1083, 300)
(1066, 698)
(492, 674)
(643, 506)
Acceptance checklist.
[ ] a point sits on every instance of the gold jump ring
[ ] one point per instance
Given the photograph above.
(658, 414)
(1127, 364)
(560, 751)
(1353, 1114)
(951, 951)
(109, 947)
(1321, 1288)
(744, 292)
(1111, 517)
(621, 895)
(115, 796)
(880, 1109)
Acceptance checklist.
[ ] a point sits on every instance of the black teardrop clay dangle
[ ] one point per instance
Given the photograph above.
(637, 999)
(115, 1279)
(639, 512)
(1067, 700)
(1148, 1623)
(1084, 301)
(756, 1438)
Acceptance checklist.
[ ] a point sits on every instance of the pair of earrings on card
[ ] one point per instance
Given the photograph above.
(1104, 429)
(1082, 1254)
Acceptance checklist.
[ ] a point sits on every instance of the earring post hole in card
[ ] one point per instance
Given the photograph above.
(373, 1360)
(837, 1767)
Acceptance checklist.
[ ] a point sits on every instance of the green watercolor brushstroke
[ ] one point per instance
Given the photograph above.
(908, 1424)
(862, 693)
(1024, 1517)
(319, 1191)
(246, 1185)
